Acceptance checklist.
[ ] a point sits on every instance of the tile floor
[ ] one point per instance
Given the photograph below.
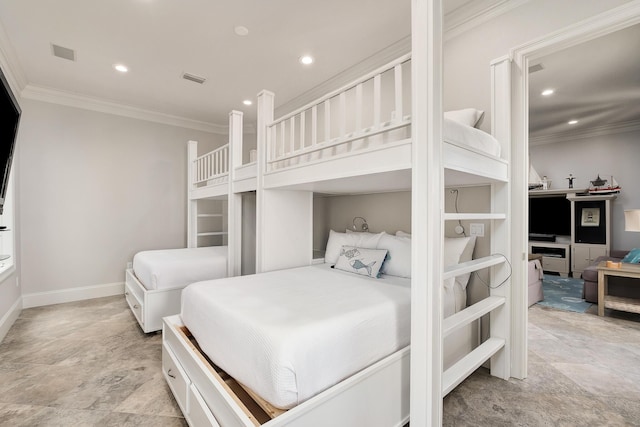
(88, 364)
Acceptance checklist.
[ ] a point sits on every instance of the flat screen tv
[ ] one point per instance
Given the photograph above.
(10, 118)
(550, 215)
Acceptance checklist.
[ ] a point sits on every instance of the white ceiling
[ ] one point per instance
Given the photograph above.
(596, 83)
(162, 39)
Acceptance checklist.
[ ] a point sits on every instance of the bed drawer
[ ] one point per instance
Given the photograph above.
(176, 377)
(135, 304)
(199, 413)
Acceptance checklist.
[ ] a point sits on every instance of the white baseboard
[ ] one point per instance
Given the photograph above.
(72, 294)
(9, 318)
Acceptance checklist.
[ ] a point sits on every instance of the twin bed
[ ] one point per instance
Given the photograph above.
(154, 283)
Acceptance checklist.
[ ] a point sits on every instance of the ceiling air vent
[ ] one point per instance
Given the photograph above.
(63, 52)
(193, 78)
(536, 67)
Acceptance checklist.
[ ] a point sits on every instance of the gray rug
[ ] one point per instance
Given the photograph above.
(564, 293)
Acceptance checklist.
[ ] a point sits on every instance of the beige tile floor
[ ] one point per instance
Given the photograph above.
(83, 364)
(88, 364)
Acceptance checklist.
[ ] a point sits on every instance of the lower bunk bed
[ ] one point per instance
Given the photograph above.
(310, 346)
(154, 283)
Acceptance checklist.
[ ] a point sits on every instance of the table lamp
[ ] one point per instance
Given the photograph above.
(632, 220)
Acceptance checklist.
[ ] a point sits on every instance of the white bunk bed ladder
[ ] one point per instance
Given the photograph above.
(495, 347)
(346, 115)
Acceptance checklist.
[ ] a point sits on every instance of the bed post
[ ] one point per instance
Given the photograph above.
(234, 202)
(427, 208)
(265, 117)
(192, 205)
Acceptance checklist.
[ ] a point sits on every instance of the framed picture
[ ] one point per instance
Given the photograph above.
(590, 217)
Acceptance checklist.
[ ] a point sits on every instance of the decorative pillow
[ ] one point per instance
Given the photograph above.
(467, 255)
(632, 257)
(398, 262)
(361, 260)
(466, 116)
(453, 250)
(337, 240)
(400, 233)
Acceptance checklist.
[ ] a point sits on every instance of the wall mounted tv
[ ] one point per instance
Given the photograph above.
(549, 216)
(10, 113)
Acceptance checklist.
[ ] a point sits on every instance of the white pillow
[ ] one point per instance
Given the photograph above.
(337, 240)
(454, 248)
(398, 262)
(361, 260)
(466, 116)
(403, 234)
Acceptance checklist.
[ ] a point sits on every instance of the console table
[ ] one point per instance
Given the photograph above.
(609, 301)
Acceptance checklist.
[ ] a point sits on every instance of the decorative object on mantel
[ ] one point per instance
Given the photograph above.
(570, 178)
(546, 183)
(535, 183)
(600, 186)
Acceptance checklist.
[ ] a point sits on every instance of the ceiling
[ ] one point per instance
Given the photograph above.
(160, 40)
(596, 83)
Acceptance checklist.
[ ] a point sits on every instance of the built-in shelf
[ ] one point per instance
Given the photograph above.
(473, 216)
(209, 215)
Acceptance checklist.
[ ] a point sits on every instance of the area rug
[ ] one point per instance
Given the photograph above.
(563, 293)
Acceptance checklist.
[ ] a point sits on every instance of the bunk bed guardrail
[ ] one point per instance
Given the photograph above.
(372, 105)
(212, 167)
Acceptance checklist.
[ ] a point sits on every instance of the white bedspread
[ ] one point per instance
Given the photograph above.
(173, 268)
(290, 334)
(460, 134)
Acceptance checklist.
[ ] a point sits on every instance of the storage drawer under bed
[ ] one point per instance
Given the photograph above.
(135, 303)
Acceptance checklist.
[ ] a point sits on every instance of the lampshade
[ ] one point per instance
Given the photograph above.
(632, 220)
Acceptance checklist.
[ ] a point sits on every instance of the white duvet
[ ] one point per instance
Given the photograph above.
(173, 268)
(290, 334)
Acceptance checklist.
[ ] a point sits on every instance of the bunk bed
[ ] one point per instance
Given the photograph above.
(336, 144)
(154, 283)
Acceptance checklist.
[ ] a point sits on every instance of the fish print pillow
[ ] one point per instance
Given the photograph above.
(360, 260)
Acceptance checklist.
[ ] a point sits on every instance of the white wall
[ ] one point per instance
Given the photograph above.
(467, 56)
(615, 154)
(95, 189)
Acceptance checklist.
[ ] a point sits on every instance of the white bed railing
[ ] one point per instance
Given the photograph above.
(376, 103)
(213, 165)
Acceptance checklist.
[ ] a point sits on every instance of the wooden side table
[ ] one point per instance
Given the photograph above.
(609, 301)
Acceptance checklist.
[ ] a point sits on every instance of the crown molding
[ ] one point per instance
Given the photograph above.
(10, 65)
(69, 99)
(475, 13)
(610, 129)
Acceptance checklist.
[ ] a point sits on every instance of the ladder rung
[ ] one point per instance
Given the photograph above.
(471, 313)
(213, 233)
(473, 216)
(473, 265)
(469, 363)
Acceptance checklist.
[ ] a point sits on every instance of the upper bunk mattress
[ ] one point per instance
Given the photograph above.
(175, 268)
(459, 134)
(290, 334)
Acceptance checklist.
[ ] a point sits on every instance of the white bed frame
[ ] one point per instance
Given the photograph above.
(287, 176)
(150, 306)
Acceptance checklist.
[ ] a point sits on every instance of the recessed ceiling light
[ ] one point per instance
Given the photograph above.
(247, 102)
(547, 92)
(572, 122)
(241, 31)
(306, 60)
(121, 68)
